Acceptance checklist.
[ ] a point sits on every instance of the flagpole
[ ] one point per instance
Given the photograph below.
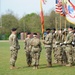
(60, 22)
(65, 27)
(56, 23)
(42, 19)
(60, 28)
(42, 31)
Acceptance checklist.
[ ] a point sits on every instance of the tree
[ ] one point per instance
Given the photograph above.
(9, 21)
(31, 22)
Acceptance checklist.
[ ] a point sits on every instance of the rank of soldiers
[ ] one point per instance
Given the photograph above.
(60, 42)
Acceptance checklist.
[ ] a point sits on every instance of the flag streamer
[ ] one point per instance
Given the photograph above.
(42, 15)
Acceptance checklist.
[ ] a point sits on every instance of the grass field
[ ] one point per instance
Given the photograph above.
(24, 70)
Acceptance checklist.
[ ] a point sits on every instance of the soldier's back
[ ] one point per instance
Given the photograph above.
(12, 37)
(35, 41)
(27, 41)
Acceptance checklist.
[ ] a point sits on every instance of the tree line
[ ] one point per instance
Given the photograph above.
(30, 22)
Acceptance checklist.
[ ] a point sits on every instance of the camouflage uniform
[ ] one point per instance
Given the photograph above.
(54, 50)
(35, 51)
(48, 46)
(59, 49)
(74, 48)
(28, 51)
(69, 49)
(14, 47)
(64, 47)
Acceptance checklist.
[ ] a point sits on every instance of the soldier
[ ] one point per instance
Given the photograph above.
(48, 46)
(64, 46)
(73, 44)
(58, 48)
(14, 47)
(54, 40)
(69, 49)
(35, 51)
(28, 49)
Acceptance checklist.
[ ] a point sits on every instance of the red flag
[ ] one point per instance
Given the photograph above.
(42, 17)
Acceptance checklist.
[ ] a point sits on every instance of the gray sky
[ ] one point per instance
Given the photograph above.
(22, 7)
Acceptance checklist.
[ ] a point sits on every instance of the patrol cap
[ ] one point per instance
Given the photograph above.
(34, 33)
(14, 29)
(53, 29)
(28, 33)
(70, 27)
(48, 29)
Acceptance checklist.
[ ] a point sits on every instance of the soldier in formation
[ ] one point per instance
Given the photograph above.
(73, 44)
(69, 48)
(14, 47)
(35, 50)
(28, 49)
(48, 46)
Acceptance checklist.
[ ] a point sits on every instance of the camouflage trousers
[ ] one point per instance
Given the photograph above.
(55, 55)
(64, 56)
(69, 54)
(58, 54)
(74, 55)
(13, 57)
(28, 57)
(35, 58)
(49, 54)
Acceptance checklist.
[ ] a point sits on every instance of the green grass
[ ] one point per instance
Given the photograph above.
(24, 70)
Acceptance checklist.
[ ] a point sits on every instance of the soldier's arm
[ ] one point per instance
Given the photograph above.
(14, 41)
(48, 40)
(25, 44)
(70, 39)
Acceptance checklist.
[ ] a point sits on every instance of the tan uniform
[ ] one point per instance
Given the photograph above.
(14, 47)
(58, 48)
(35, 51)
(48, 46)
(28, 51)
(74, 48)
(64, 47)
(69, 49)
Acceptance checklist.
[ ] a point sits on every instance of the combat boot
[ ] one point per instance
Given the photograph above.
(29, 65)
(12, 67)
(69, 65)
(34, 67)
(49, 64)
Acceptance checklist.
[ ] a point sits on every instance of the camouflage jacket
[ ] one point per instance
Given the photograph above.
(69, 38)
(14, 44)
(27, 44)
(48, 40)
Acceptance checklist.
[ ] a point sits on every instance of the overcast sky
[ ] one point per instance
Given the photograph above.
(22, 7)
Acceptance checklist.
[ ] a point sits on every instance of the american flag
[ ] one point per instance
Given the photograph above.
(59, 8)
